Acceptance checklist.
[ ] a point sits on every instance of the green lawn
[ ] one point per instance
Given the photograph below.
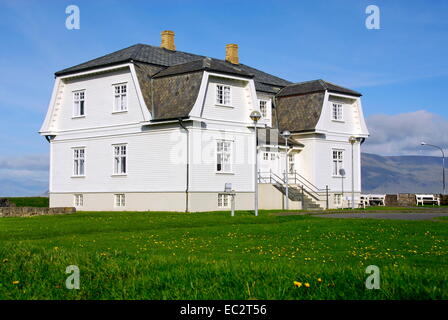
(214, 256)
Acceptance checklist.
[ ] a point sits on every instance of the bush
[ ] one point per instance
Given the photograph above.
(30, 201)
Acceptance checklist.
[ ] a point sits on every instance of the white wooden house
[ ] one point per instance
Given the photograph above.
(153, 128)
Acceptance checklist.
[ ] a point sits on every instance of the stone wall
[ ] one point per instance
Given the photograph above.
(401, 200)
(409, 200)
(444, 199)
(33, 211)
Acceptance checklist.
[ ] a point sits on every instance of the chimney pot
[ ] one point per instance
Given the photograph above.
(232, 53)
(168, 40)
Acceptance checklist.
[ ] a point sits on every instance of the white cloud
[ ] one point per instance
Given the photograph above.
(401, 134)
(23, 175)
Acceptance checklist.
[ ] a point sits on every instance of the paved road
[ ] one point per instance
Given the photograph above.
(385, 215)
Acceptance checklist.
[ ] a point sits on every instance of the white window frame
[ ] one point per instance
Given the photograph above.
(79, 162)
(79, 103)
(120, 95)
(337, 162)
(228, 153)
(337, 113)
(265, 156)
(263, 104)
(78, 200)
(120, 153)
(223, 95)
(224, 200)
(273, 156)
(119, 200)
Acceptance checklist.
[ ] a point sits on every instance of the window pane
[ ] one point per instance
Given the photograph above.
(219, 162)
(123, 165)
(81, 167)
(116, 164)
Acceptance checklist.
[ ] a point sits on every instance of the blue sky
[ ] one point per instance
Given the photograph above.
(401, 69)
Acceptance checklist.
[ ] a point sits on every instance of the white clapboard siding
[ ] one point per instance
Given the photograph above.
(238, 111)
(203, 161)
(99, 102)
(155, 162)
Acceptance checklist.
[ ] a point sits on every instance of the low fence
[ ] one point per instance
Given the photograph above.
(33, 211)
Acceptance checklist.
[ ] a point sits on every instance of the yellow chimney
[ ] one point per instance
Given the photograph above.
(168, 40)
(232, 53)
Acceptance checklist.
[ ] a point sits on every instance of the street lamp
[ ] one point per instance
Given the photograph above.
(286, 134)
(443, 161)
(255, 116)
(352, 141)
(342, 174)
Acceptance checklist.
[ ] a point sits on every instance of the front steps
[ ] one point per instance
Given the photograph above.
(295, 194)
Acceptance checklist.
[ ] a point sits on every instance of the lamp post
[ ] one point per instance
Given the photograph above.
(443, 162)
(342, 174)
(255, 116)
(286, 134)
(352, 141)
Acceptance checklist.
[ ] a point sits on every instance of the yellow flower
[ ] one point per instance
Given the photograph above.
(307, 285)
(15, 282)
(319, 280)
(297, 284)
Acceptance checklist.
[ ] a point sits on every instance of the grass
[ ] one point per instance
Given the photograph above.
(30, 201)
(214, 256)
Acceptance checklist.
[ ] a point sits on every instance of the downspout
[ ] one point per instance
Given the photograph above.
(188, 163)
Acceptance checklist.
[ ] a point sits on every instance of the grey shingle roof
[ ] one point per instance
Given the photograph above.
(167, 58)
(315, 86)
(208, 64)
(273, 137)
(299, 113)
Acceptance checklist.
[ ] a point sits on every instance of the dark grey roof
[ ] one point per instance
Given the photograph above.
(167, 58)
(208, 64)
(315, 86)
(273, 137)
(299, 113)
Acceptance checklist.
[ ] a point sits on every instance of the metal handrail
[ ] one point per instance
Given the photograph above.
(316, 193)
(303, 178)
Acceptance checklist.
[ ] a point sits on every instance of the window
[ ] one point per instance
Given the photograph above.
(120, 159)
(291, 164)
(338, 200)
(272, 156)
(78, 104)
(223, 95)
(337, 161)
(223, 200)
(224, 156)
(120, 98)
(79, 200)
(79, 162)
(120, 200)
(337, 112)
(263, 108)
(265, 156)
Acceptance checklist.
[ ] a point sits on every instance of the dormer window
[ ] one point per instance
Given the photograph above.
(223, 95)
(120, 98)
(337, 112)
(264, 108)
(78, 103)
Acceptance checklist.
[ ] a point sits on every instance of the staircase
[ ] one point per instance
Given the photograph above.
(299, 189)
(295, 194)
